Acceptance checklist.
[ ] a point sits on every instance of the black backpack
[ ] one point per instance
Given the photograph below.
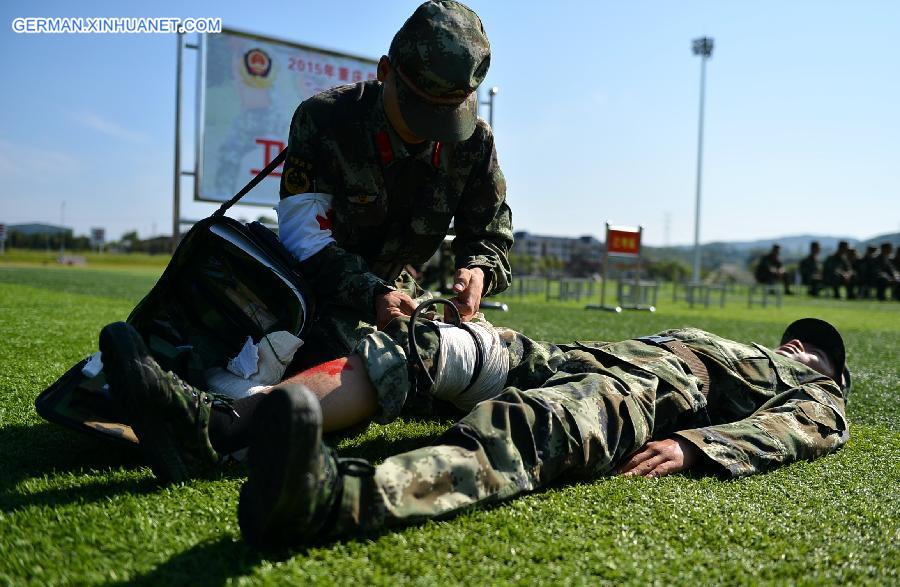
(226, 281)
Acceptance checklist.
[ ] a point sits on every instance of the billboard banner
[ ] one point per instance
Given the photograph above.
(625, 242)
(251, 86)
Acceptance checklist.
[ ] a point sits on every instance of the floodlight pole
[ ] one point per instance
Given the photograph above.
(62, 230)
(490, 104)
(702, 47)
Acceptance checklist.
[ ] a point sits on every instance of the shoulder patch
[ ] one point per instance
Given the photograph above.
(296, 176)
(362, 198)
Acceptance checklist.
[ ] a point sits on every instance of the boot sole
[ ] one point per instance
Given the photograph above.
(274, 507)
(129, 384)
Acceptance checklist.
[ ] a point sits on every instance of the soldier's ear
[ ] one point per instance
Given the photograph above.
(384, 67)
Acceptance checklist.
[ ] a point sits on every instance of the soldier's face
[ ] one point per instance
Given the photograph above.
(388, 77)
(808, 354)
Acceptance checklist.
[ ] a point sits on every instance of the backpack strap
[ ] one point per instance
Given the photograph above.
(278, 160)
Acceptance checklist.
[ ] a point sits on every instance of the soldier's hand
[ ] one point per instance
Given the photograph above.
(661, 457)
(392, 305)
(468, 285)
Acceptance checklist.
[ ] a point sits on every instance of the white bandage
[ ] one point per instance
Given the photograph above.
(304, 224)
(456, 365)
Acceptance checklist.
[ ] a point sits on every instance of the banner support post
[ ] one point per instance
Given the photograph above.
(602, 306)
(176, 180)
(176, 187)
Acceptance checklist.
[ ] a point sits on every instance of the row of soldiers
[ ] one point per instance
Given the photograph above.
(876, 271)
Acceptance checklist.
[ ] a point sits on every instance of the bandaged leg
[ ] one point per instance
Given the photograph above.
(468, 366)
(450, 357)
(472, 365)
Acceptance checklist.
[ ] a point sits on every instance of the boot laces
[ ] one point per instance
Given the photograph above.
(208, 398)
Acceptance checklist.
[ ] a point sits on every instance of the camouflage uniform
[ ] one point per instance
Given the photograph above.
(839, 271)
(578, 411)
(811, 273)
(392, 206)
(884, 274)
(770, 270)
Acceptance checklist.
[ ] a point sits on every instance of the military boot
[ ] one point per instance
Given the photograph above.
(169, 417)
(295, 484)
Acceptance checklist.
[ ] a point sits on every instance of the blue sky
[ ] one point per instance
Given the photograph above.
(596, 118)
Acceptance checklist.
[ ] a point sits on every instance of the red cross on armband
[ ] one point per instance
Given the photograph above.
(326, 222)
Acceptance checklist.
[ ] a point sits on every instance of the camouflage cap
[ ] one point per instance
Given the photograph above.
(440, 54)
(826, 337)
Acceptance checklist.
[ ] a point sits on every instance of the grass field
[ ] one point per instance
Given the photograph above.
(77, 510)
(30, 257)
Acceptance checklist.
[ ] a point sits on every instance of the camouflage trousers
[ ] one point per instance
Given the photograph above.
(564, 415)
(388, 365)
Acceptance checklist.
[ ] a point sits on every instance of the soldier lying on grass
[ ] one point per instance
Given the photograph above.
(685, 399)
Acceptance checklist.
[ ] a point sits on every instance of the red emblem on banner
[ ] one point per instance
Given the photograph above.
(257, 62)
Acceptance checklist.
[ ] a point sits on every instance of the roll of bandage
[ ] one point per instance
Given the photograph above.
(457, 359)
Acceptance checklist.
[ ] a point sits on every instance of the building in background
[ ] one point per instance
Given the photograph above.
(581, 256)
(39, 229)
(562, 248)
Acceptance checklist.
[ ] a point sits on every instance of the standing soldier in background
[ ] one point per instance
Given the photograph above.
(770, 270)
(811, 269)
(375, 173)
(839, 271)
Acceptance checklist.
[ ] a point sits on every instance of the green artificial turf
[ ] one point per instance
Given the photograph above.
(78, 510)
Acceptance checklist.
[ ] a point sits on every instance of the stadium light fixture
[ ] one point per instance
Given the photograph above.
(704, 48)
(490, 104)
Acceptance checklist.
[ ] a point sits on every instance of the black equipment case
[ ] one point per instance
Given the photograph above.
(226, 281)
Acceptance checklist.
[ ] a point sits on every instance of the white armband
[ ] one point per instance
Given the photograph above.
(304, 223)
